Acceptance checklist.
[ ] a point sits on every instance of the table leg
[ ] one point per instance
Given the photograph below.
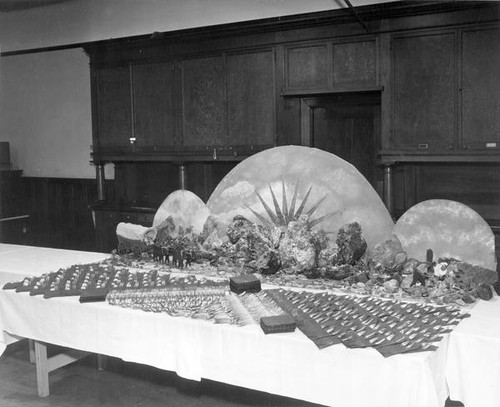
(42, 369)
(45, 365)
(31, 347)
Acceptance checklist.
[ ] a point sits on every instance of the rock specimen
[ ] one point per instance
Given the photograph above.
(131, 231)
(388, 256)
(296, 249)
(351, 243)
(484, 292)
(130, 237)
(391, 285)
(468, 279)
(253, 245)
(165, 231)
(338, 272)
(214, 234)
(329, 256)
(468, 274)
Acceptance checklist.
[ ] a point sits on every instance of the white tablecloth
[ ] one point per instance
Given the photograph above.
(284, 364)
(473, 366)
(17, 261)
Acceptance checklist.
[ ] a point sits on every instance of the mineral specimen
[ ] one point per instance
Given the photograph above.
(468, 274)
(391, 285)
(338, 272)
(254, 245)
(388, 256)
(296, 248)
(351, 243)
(213, 234)
(484, 292)
(329, 256)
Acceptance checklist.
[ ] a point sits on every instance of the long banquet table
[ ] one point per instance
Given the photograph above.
(466, 366)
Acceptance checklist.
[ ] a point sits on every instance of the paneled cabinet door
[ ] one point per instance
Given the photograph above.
(203, 102)
(250, 98)
(112, 107)
(481, 89)
(424, 92)
(155, 107)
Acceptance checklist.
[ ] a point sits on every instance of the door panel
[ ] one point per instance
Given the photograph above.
(346, 125)
(347, 131)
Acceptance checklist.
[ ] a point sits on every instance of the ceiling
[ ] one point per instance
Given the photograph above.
(14, 5)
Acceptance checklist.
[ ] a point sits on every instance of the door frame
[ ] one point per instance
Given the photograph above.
(309, 103)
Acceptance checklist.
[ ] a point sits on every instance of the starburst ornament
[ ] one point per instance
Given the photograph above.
(282, 216)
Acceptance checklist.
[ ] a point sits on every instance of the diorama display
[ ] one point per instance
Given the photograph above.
(295, 232)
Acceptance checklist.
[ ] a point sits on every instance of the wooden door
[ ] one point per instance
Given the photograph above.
(347, 126)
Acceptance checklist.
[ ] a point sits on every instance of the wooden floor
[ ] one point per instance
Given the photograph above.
(121, 384)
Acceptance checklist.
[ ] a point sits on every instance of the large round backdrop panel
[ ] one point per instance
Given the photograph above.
(272, 178)
(450, 229)
(185, 208)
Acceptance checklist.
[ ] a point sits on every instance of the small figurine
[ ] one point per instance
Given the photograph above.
(188, 257)
(178, 258)
(157, 253)
(167, 252)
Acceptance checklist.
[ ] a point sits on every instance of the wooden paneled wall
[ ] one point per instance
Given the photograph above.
(147, 184)
(59, 212)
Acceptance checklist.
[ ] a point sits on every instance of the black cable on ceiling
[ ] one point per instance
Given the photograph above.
(353, 10)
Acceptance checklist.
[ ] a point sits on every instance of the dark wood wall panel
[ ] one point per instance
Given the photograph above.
(114, 113)
(146, 185)
(424, 98)
(155, 120)
(481, 88)
(203, 178)
(251, 104)
(307, 66)
(203, 92)
(355, 63)
(475, 185)
(59, 212)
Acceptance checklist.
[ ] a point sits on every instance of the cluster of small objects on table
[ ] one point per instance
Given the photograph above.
(379, 299)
